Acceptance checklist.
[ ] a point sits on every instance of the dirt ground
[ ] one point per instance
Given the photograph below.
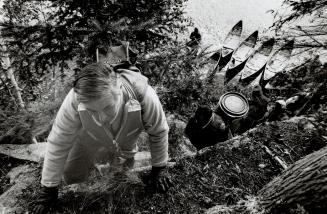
(222, 174)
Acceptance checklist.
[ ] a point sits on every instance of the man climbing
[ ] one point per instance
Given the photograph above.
(106, 110)
(206, 128)
(195, 38)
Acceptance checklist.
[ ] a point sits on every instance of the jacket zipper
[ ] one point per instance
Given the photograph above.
(116, 138)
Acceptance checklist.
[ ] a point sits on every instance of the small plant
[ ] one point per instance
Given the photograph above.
(179, 75)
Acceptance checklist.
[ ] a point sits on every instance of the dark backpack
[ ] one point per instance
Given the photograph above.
(206, 128)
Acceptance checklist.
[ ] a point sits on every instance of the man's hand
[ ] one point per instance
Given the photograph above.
(159, 179)
(46, 199)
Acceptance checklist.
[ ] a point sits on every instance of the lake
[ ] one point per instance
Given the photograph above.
(214, 18)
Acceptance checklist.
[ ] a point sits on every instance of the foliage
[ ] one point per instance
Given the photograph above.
(42, 37)
(37, 118)
(301, 8)
(180, 76)
(9, 120)
(309, 78)
(303, 78)
(306, 21)
(36, 122)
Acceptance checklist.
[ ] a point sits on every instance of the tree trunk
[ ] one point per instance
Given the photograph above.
(304, 184)
(54, 82)
(302, 188)
(13, 81)
(9, 92)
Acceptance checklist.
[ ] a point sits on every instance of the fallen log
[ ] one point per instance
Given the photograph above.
(32, 152)
(299, 189)
(179, 145)
(304, 184)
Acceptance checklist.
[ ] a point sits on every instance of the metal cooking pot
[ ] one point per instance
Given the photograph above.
(232, 105)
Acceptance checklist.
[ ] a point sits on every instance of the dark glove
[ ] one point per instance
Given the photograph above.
(129, 163)
(159, 179)
(46, 199)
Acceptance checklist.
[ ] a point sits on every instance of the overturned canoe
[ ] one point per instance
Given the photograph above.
(277, 63)
(256, 62)
(240, 56)
(230, 44)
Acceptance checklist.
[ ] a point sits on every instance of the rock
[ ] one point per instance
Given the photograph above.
(142, 159)
(35, 152)
(304, 123)
(32, 152)
(21, 177)
(249, 205)
(262, 165)
(297, 119)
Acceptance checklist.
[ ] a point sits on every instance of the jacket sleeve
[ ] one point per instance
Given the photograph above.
(155, 124)
(60, 140)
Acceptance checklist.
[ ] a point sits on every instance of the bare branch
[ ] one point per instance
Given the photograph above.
(314, 39)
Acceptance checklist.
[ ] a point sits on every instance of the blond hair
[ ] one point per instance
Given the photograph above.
(93, 81)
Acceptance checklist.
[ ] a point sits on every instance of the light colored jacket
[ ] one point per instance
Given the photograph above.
(72, 121)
